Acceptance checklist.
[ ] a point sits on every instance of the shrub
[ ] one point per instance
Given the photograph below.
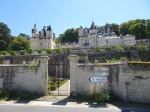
(118, 48)
(3, 53)
(22, 52)
(12, 53)
(29, 51)
(58, 50)
(49, 51)
(68, 50)
(108, 48)
(97, 49)
(131, 48)
(143, 47)
(102, 97)
(39, 51)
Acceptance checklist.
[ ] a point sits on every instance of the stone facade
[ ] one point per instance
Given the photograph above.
(22, 77)
(90, 37)
(129, 82)
(43, 39)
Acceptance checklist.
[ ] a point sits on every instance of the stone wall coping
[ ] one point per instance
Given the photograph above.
(15, 65)
(103, 64)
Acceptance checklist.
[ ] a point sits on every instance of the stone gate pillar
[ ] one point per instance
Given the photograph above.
(73, 60)
(44, 72)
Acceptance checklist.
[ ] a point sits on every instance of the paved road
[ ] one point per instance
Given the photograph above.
(29, 108)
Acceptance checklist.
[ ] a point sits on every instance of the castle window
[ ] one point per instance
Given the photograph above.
(93, 40)
(41, 44)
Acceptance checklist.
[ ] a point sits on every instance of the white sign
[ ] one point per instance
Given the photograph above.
(98, 79)
(101, 71)
(1, 82)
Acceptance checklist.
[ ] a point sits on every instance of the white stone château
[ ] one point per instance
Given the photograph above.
(43, 39)
(89, 37)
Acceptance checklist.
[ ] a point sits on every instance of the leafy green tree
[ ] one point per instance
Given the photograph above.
(20, 43)
(29, 51)
(5, 36)
(115, 28)
(39, 51)
(4, 53)
(70, 35)
(124, 28)
(58, 50)
(58, 40)
(138, 29)
(68, 50)
(49, 51)
(143, 47)
(97, 48)
(22, 52)
(12, 53)
(118, 48)
(108, 48)
(131, 48)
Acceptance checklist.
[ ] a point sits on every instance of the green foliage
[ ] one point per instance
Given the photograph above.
(32, 67)
(49, 51)
(118, 48)
(29, 51)
(22, 52)
(131, 48)
(97, 48)
(58, 40)
(102, 97)
(12, 53)
(4, 53)
(108, 48)
(5, 37)
(68, 50)
(99, 97)
(114, 60)
(70, 35)
(58, 50)
(39, 51)
(20, 43)
(143, 47)
(6, 94)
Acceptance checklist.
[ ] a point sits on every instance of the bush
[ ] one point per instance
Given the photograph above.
(6, 94)
(143, 47)
(118, 48)
(12, 53)
(108, 48)
(97, 49)
(58, 50)
(131, 48)
(49, 51)
(68, 50)
(3, 53)
(102, 97)
(39, 51)
(22, 52)
(29, 51)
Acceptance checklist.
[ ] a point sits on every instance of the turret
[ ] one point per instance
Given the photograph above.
(35, 32)
(49, 32)
(80, 31)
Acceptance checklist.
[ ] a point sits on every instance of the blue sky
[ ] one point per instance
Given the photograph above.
(21, 15)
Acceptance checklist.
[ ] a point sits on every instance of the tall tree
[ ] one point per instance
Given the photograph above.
(70, 35)
(115, 28)
(5, 36)
(20, 43)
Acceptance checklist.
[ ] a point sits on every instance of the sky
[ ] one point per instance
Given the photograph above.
(21, 15)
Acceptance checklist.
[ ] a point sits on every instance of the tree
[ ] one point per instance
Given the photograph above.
(97, 48)
(70, 35)
(118, 48)
(20, 43)
(115, 27)
(124, 28)
(138, 29)
(5, 36)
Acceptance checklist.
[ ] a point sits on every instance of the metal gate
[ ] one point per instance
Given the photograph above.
(59, 74)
